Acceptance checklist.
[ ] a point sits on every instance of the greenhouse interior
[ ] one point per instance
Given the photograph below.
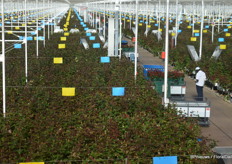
(116, 82)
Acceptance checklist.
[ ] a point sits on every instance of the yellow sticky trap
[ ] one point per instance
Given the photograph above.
(193, 39)
(205, 31)
(29, 23)
(58, 60)
(23, 25)
(189, 27)
(123, 18)
(196, 31)
(17, 28)
(33, 20)
(65, 29)
(31, 163)
(61, 46)
(222, 46)
(140, 24)
(173, 34)
(229, 26)
(63, 38)
(187, 21)
(160, 29)
(67, 23)
(9, 32)
(128, 20)
(228, 34)
(148, 26)
(66, 34)
(68, 91)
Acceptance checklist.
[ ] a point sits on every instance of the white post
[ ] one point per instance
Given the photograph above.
(159, 16)
(44, 25)
(3, 63)
(177, 24)
(166, 56)
(48, 20)
(136, 38)
(120, 30)
(104, 32)
(202, 24)
(25, 12)
(37, 32)
(147, 19)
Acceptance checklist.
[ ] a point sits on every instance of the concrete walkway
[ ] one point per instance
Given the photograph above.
(220, 128)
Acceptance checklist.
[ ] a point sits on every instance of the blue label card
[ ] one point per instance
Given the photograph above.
(88, 34)
(105, 59)
(29, 38)
(84, 25)
(92, 38)
(21, 37)
(196, 34)
(226, 30)
(207, 26)
(86, 29)
(118, 91)
(156, 25)
(165, 160)
(221, 39)
(17, 45)
(96, 45)
(179, 31)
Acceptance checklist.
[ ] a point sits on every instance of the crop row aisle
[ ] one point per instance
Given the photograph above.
(74, 92)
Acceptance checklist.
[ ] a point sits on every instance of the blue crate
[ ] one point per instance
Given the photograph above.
(124, 42)
(146, 68)
(132, 57)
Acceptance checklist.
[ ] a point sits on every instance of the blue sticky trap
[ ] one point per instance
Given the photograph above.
(181, 22)
(33, 33)
(165, 160)
(52, 24)
(164, 26)
(96, 45)
(146, 22)
(17, 45)
(21, 37)
(84, 25)
(199, 140)
(88, 34)
(226, 30)
(14, 20)
(221, 39)
(207, 26)
(39, 28)
(156, 25)
(105, 59)
(196, 34)
(86, 29)
(179, 31)
(118, 91)
(141, 21)
(0, 24)
(92, 38)
(29, 38)
(171, 21)
(40, 38)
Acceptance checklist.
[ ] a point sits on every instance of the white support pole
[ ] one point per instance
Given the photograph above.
(44, 29)
(37, 32)
(147, 19)
(177, 24)
(120, 30)
(26, 62)
(159, 15)
(202, 25)
(104, 32)
(166, 57)
(3, 63)
(48, 20)
(136, 39)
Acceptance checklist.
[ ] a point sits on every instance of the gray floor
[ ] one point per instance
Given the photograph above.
(220, 128)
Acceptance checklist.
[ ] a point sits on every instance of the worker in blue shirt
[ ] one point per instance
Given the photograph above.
(200, 82)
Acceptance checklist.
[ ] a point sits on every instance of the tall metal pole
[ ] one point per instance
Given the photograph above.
(202, 24)
(177, 25)
(43, 25)
(120, 30)
(3, 63)
(104, 32)
(48, 20)
(136, 38)
(26, 62)
(166, 56)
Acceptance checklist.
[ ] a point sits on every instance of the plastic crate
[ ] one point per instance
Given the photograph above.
(128, 49)
(146, 68)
